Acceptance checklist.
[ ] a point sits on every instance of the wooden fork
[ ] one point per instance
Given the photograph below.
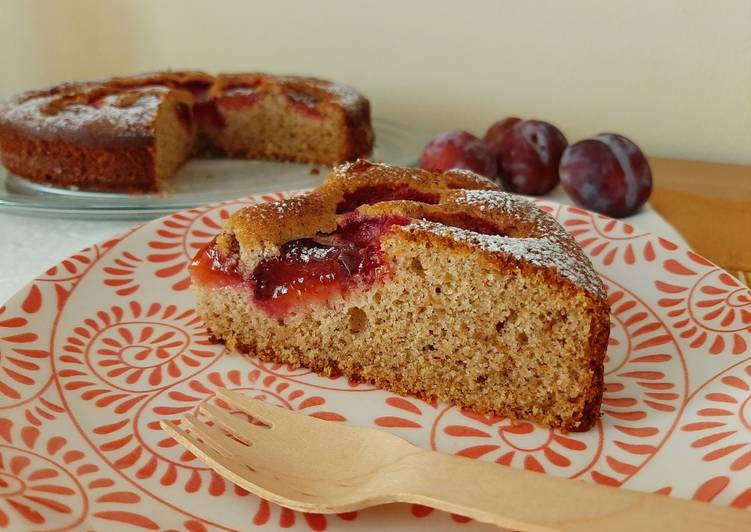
(312, 465)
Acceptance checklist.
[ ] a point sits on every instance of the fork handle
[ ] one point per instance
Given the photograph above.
(524, 500)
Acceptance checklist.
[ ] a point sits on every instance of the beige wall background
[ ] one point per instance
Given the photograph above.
(675, 75)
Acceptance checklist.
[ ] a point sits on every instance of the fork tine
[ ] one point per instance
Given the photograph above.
(244, 430)
(215, 437)
(241, 470)
(201, 450)
(263, 412)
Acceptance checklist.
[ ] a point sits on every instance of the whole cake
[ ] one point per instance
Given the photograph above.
(432, 284)
(133, 133)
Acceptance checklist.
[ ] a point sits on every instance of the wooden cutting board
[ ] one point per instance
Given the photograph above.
(710, 205)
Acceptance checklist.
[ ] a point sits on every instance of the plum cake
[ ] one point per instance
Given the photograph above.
(133, 133)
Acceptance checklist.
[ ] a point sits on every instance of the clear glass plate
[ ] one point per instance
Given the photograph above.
(201, 181)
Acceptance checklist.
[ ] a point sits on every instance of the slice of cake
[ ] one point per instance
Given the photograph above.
(435, 285)
(133, 133)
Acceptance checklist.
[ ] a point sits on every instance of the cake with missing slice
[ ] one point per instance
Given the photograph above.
(435, 285)
(134, 133)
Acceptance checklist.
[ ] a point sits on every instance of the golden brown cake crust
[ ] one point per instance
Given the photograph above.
(524, 247)
(351, 176)
(276, 223)
(104, 135)
(42, 160)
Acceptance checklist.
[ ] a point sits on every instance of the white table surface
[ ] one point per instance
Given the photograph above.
(29, 245)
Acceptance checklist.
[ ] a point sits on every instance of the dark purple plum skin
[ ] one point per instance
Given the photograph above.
(495, 133)
(458, 149)
(528, 157)
(608, 174)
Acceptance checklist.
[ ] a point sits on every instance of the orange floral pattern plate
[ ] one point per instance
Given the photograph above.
(102, 346)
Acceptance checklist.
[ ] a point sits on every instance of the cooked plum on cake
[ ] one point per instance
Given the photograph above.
(431, 284)
(133, 133)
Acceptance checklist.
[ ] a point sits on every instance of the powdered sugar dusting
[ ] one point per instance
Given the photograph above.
(547, 251)
(470, 176)
(494, 200)
(315, 254)
(133, 117)
(73, 107)
(345, 95)
(353, 169)
(290, 205)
